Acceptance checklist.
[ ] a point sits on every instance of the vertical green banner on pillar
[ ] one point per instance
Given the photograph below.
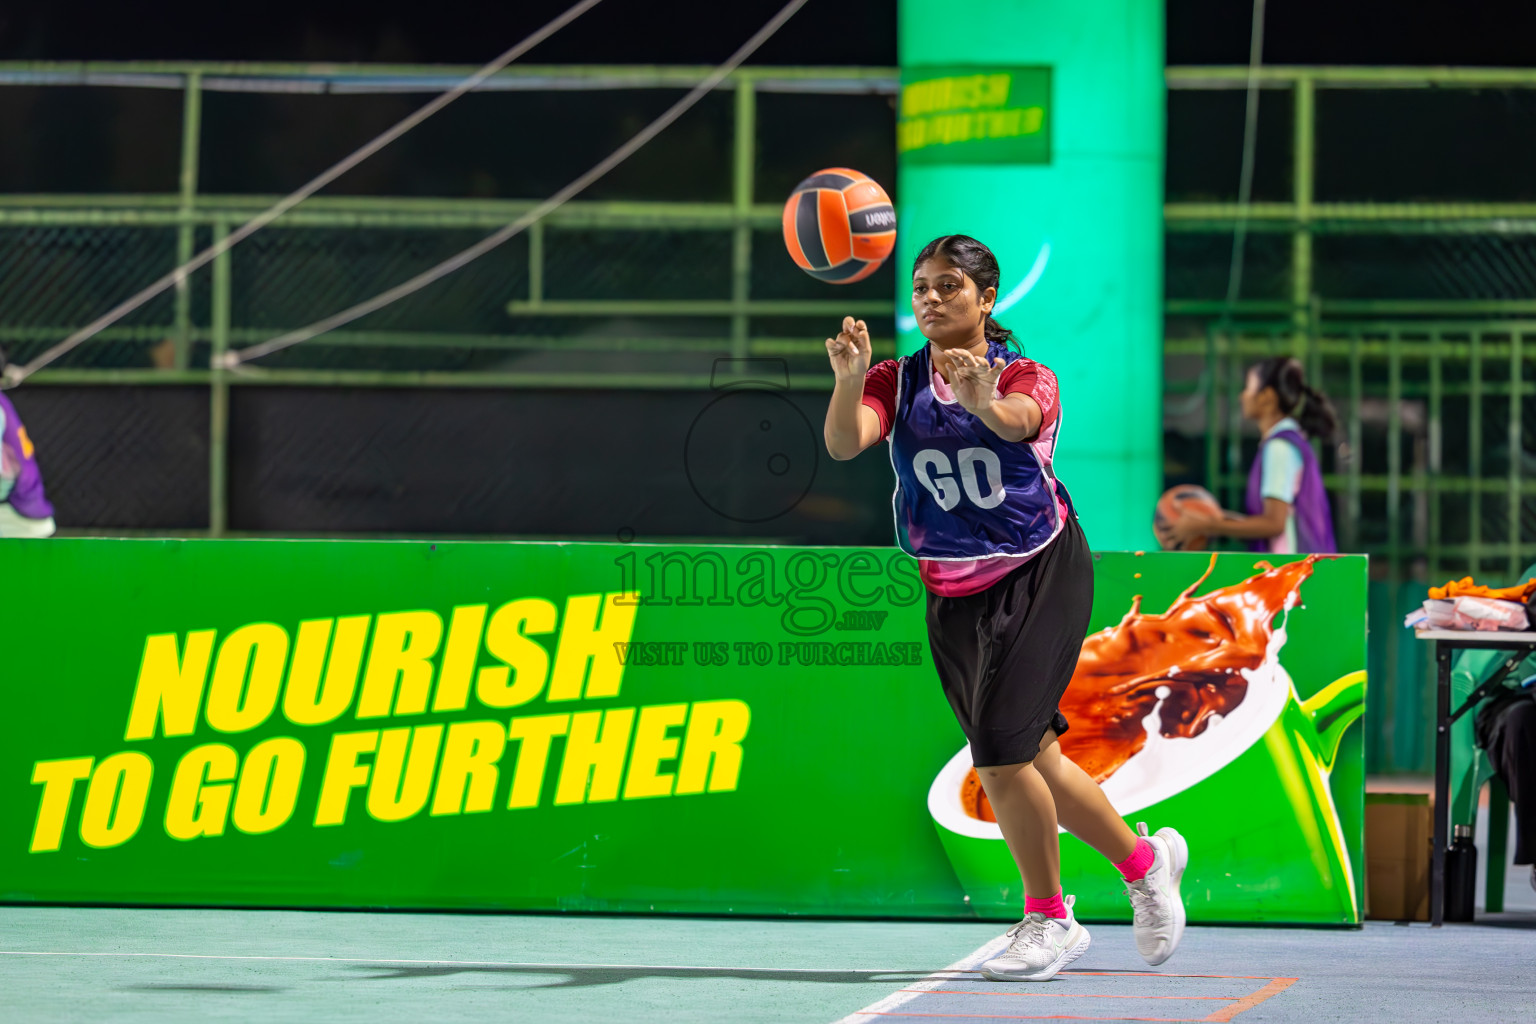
(1040, 132)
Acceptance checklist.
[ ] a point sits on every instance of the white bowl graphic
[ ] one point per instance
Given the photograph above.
(1164, 766)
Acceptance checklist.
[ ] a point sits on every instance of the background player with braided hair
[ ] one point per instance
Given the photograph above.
(1287, 507)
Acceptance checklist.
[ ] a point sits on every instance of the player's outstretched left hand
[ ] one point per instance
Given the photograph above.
(974, 380)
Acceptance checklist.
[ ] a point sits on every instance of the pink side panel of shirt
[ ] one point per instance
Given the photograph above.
(1022, 376)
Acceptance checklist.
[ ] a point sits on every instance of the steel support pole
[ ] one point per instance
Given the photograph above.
(1210, 382)
(536, 263)
(1304, 118)
(1475, 454)
(1356, 440)
(1516, 451)
(218, 394)
(1436, 449)
(1394, 457)
(743, 178)
(1498, 845)
(191, 127)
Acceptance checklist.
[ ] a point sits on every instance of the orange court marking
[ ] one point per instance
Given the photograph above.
(1248, 1002)
(1236, 1005)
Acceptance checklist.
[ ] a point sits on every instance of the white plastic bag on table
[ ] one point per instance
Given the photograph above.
(1488, 613)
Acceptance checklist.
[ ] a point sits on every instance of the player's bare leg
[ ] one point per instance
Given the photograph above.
(1081, 806)
(1049, 937)
(1152, 872)
(1025, 812)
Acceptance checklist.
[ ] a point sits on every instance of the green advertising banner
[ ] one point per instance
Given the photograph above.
(961, 115)
(529, 726)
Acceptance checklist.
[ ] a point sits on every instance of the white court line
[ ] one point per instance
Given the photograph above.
(483, 963)
(969, 962)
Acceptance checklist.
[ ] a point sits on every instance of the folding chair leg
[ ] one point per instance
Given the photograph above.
(1498, 844)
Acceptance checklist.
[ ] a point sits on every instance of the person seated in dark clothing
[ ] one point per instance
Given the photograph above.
(1506, 730)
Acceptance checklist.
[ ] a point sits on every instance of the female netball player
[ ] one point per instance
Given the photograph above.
(972, 426)
(1288, 511)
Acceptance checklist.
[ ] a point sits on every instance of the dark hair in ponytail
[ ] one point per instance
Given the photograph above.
(976, 261)
(1297, 398)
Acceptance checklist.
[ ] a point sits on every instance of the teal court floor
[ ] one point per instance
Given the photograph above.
(68, 964)
(103, 964)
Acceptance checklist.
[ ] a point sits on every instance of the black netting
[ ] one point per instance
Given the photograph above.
(1426, 145)
(288, 277)
(513, 145)
(73, 139)
(1205, 146)
(1457, 265)
(1198, 265)
(60, 278)
(121, 457)
(799, 134)
(652, 264)
(538, 462)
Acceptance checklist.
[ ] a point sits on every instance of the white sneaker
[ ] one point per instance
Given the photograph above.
(1041, 946)
(1158, 910)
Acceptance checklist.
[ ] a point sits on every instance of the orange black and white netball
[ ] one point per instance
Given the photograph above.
(1171, 508)
(839, 225)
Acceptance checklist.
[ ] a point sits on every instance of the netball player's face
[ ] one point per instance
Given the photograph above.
(1254, 400)
(946, 303)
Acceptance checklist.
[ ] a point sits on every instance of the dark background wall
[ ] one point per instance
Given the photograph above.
(1494, 32)
(740, 463)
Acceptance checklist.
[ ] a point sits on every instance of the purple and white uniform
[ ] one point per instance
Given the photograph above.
(1287, 470)
(969, 505)
(21, 483)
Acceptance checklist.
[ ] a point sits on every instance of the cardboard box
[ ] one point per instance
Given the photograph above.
(1398, 833)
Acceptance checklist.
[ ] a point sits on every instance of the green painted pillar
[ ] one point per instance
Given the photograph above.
(1037, 127)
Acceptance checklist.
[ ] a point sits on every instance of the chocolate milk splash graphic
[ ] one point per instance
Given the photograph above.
(1175, 675)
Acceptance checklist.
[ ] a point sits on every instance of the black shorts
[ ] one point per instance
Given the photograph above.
(1005, 655)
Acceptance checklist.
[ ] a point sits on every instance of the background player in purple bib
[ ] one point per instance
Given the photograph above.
(24, 509)
(972, 427)
(1288, 511)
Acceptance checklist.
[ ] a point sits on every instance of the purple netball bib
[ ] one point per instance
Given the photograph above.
(962, 492)
(1314, 518)
(21, 483)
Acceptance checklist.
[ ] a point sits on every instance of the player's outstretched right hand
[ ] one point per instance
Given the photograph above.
(849, 352)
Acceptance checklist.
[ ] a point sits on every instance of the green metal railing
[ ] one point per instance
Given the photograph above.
(1430, 390)
(1403, 366)
(1359, 346)
(188, 210)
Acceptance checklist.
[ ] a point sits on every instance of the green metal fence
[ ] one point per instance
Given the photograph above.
(1432, 509)
(134, 237)
(1419, 326)
(489, 327)
(1414, 315)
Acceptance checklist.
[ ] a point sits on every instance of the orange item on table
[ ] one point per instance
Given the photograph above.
(1464, 587)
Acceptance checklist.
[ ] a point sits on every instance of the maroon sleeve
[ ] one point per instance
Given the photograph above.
(880, 392)
(1027, 377)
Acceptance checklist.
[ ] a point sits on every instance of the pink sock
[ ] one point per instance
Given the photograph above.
(1136, 866)
(1053, 907)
